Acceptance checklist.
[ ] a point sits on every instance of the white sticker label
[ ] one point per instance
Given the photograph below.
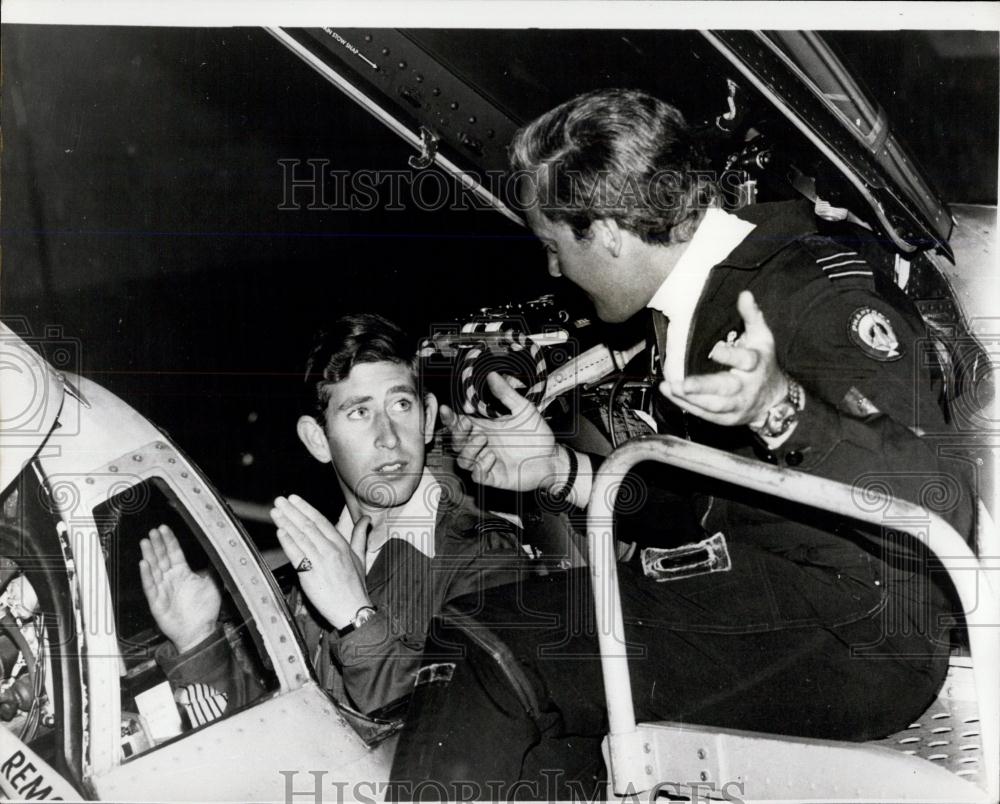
(158, 709)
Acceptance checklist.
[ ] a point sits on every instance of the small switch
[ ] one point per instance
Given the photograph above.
(471, 143)
(410, 96)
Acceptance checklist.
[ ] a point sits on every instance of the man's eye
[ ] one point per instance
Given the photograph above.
(403, 405)
(357, 413)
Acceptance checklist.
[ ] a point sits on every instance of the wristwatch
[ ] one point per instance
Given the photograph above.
(363, 615)
(561, 494)
(781, 416)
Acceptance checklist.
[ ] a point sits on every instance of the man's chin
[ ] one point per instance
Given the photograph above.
(388, 490)
(612, 316)
(618, 311)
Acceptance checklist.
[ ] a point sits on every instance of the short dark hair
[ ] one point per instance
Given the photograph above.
(350, 340)
(620, 154)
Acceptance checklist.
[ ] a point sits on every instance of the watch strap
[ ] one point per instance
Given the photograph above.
(361, 616)
(562, 493)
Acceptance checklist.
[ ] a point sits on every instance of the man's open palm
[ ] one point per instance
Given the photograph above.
(184, 604)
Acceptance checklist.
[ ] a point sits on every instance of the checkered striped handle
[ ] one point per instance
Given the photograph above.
(201, 703)
(492, 340)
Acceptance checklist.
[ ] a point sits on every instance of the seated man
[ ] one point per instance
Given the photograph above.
(402, 547)
(775, 339)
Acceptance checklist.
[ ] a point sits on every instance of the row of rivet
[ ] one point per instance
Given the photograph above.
(220, 524)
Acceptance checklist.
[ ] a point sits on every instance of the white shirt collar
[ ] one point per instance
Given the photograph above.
(414, 522)
(714, 239)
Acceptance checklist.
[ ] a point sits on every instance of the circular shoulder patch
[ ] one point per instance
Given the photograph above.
(872, 332)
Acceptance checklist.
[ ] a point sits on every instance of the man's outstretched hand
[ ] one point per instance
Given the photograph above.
(752, 383)
(517, 452)
(184, 604)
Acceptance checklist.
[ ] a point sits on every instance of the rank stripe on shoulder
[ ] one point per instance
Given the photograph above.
(849, 273)
(841, 264)
(843, 259)
(835, 256)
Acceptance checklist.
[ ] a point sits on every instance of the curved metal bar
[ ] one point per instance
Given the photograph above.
(976, 589)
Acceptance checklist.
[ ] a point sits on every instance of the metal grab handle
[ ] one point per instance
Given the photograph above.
(980, 600)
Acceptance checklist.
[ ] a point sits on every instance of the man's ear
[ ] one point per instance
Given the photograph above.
(313, 436)
(608, 234)
(684, 231)
(430, 416)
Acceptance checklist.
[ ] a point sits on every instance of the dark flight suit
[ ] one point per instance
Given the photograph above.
(374, 666)
(821, 628)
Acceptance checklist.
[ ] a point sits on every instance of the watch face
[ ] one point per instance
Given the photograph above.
(780, 418)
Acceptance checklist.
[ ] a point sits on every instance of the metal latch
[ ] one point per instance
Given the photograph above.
(428, 150)
(698, 558)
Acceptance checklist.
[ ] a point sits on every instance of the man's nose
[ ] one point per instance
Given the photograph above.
(385, 435)
(554, 266)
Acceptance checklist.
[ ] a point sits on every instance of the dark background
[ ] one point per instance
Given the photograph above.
(139, 214)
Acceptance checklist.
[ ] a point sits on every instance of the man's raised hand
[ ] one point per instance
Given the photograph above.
(335, 580)
(184, 604)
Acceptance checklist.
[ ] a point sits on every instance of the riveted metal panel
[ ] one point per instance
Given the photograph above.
(292, 742)
(114, 450)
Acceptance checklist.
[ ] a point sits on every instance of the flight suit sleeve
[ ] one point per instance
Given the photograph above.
(213, 675)
(872, 415)
(209, 673)
(380, 658)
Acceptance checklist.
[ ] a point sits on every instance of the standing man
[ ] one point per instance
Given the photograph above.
(404, 544)
(775, 340)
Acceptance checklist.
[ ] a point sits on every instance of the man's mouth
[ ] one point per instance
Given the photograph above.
(390, 468)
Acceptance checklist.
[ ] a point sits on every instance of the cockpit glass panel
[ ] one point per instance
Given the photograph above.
(190, 650)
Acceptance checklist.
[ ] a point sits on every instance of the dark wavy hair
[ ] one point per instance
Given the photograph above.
(620, 154)
(350, 340)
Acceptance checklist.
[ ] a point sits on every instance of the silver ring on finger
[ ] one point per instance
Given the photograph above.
(304, 565)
